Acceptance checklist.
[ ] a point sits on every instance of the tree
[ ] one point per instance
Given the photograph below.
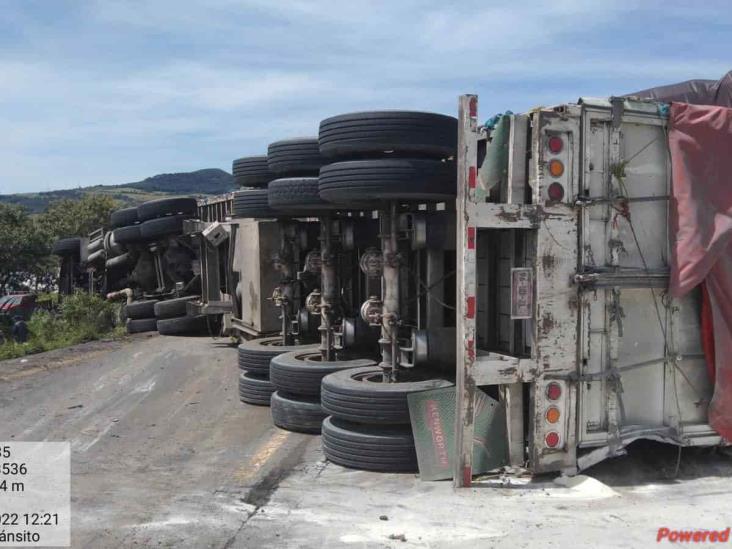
(64, 218)
(24, 248)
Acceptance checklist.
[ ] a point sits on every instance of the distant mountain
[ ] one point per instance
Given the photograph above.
(199, 183)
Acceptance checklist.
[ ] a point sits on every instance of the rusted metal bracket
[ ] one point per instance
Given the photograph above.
(590, 280)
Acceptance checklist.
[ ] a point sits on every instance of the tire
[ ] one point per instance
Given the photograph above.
(141, 309)
(368, 181)
(95, 245)
(123, 217)
(167, 206)
(172, 308)
(139, 325)
(67, 246)
(119, 261)
(383, 448)
(295, 157)
(358, 395)
(299, 414)
(96, 258)
(252, 171)
(301, 372)
(256, 354)
(373, 134)
(183, 325)
(154, 229)
(254, 389)
(296, 195)
(252, 204)
(111, 246)
(128, 235)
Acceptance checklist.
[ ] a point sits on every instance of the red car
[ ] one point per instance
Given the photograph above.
(21, 305)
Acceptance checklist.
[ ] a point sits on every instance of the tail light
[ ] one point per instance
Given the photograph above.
(553, 391)
(555, 192)
(555, 144)
(552, 439)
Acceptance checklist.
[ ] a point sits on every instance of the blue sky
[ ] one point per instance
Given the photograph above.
(105, 92)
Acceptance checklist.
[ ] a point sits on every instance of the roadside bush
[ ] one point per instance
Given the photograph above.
(81, 317)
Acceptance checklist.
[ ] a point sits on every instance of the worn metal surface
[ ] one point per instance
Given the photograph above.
(328, 286)
(517, 160)
(640, 349)
(257, 243)
(217, 208)
(601, 327)
(556, 312)
(390, 283)
(465, 386)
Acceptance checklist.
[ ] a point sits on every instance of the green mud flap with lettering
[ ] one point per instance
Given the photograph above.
(432, 414)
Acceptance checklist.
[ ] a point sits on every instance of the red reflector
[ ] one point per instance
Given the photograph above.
(555, 144)
(470, 307)
(473, 106)
(470, 348)
(555, 192)
(471, 238)
(467, 477)
(553, 391)
(552, 439)
(472, 178)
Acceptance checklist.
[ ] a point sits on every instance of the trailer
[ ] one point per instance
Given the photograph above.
(563, 269)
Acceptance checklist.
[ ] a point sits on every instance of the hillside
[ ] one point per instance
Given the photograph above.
(198, 183)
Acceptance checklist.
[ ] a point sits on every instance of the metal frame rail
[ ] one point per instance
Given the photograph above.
(465, 387)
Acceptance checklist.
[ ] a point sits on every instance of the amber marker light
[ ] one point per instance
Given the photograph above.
(556, 168)
(552, 414)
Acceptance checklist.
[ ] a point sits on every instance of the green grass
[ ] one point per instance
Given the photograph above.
(80, 318)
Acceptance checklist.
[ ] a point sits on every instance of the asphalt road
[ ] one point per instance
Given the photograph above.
(165, 455)
(163, 452)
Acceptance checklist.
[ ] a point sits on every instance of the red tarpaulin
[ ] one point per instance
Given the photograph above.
(700, 140)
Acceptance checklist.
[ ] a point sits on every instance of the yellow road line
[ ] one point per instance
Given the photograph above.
(260, 458)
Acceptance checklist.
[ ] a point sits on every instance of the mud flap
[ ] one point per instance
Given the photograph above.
(432, 414)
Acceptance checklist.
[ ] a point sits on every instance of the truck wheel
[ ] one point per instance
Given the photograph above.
(252, 204)
(139, 325)
(67, 246)
(388, 449)
(173, 308)
(254, 389)
(301, 372)
(167, 206)
(252, 171)
(123, 217)
(183, 325)
(295, 157)
(300, 414)
(119, 261)
(296, 195)
(141, 309)
(365, 181)
(360, 395)
(164, 226)
(256, 354)
(376, 133)
(128, 235)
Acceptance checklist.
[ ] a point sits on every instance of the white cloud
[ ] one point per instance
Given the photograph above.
(127, 89)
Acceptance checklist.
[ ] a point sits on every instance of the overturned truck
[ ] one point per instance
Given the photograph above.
(534, 258)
